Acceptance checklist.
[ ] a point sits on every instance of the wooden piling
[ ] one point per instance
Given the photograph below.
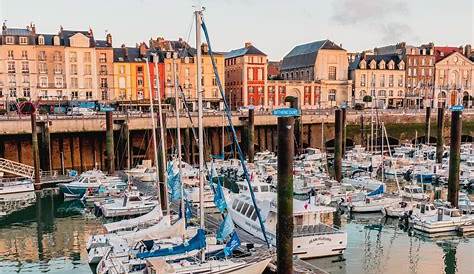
(250, 135)
(284, 235)
(338, 145)
(454, 157)
(427, 125)
(439, 136)
(34, 147)
(109, 142)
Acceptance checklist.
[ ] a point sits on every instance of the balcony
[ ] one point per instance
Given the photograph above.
(11, 70)
(26, 71)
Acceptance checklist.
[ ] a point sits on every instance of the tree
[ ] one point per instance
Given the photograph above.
(367, 99)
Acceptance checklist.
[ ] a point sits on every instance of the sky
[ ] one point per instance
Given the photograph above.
(273, 26)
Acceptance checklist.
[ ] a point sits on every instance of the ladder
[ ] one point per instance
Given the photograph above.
(16, 168)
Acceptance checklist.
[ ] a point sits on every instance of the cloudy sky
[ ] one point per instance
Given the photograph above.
(274, 26)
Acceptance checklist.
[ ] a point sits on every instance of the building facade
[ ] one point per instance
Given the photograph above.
(454, 79)
(105, 68)
(326, 64)
(378, 80)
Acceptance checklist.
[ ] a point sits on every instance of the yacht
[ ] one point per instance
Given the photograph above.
(132, 203)
(311, 236)
(90, 180)
(10, 186)
(413, 192)
(446, 220)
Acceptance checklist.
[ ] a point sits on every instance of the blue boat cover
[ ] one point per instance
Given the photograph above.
(378, 191)
(197, 242)
(232, 244)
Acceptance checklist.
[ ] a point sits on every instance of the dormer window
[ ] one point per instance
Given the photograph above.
(23, 40)
(41, 40)
(56, 40)
(382, 65)
(9, 40)
(363, 64)
(373, 64)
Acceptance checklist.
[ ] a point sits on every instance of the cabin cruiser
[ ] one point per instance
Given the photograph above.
(398, 210)
(374, 201)
(10, 186)
(413, 192)
(364, 182)
(89, 180)
(446, 220)
(132, 203)
(311, 236)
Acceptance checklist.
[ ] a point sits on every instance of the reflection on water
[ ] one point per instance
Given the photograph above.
(48, 236)
(378, 245)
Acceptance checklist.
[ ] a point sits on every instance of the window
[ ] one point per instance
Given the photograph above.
(9, 40)
(400, 81)
(103, 69)
(73, 57)
(74, 94)
(250, 211)
(244, 209)
(26, 79)
(42, 55)
(390, 93)
(88, 83)
(382, 80)
(382, 93)
(88, 95)
(25, 67)
(11, 67)
(140, 81)
(239, 206)
(58, 82)
(332, 95)
(24, 54)
(332, 73)
(430, 72)
(122, 69)
(103, 83)
(12, 80)
(362, 80)
(87, 57)
(26, 92)
(250, 74)
(41, 40)
(422, 61)
(431, 61)
(122, 82)
(409, 71)
(1, 92)
(103, 58)
(87, 70)
(390, 80)
(186, 72)
(414, 71)
(414, 62)
(57, 56)
(58, 69)
(73, 69)
(23, 40)
(43, 81)
(423, 71)
(74, 82)
(140, 70)
(43, 68)
(59, 94)
(214, 81)
(12, 92)
(10, 54)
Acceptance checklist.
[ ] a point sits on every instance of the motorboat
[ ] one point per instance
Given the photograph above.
(398, 210)
(132, 203)
(311, 236)
(90, 180)
(11, 186)
(364, 182)
(413, 192)
(446, 220)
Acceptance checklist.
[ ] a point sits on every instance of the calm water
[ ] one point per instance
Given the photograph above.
(50, 237)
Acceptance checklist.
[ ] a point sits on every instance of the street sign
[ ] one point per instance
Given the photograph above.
(457, 108)
(286, 112)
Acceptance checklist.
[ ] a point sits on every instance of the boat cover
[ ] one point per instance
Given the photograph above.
(378, 191)
(197, 242)
(149, 218)
(161, 230)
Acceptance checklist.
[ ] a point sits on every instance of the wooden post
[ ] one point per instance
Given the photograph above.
(427, 125)
(250, 135)
(284, 229)
(439, 136)
(109, 141)
(338, 145)
(34, 146)
(454, 157)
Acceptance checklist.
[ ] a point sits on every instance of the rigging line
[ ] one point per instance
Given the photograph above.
(229, 118)
(190, 29)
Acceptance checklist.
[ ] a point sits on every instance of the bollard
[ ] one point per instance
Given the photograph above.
(286, 127)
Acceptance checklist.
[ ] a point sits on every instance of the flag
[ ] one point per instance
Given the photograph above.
(219, 199)
(174, 183)
(232, 244)
(188, 214)
(225, 229)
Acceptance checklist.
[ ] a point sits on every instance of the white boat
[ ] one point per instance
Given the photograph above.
(465, 204)
(446, 220)
(131, 204)
(311, 237)
(373, 204)
(90, 180)
(398, 210)
(363, 182)
(413, 192)
(16, 186)
(150, 218)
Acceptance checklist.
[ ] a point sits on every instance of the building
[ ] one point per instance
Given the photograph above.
(105, 68)
(326, 64)
(379, 79)
(246, 76)
(419, 71)
(18, 66)
(454, 78)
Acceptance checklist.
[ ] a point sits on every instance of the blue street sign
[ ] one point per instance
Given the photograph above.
(286, 112)
(457, 108)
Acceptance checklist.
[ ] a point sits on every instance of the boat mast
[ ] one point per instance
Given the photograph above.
(153, 127)
(384, 129)
(198, 14)
(178, 136)
(162, 134)
(383, 162)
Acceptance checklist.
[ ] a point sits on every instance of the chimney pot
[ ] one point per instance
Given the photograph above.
(248, 44)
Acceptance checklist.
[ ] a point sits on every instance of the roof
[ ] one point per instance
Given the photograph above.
(66, 34)
(48, 39)
(305, 55)
(101, 44)
(378, 58)
(243, 51)
(132, 55)
(443, 52)
(18, 32)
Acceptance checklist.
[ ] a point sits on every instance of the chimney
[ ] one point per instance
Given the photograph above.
(248, 44)
(4, 26)
(467, 50)
(204, 48)
(143, 49)
(33, 28)
(60, 28)
(124, 51)
(108, 38)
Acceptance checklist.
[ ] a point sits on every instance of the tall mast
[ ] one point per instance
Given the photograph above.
(162, 134)
(198, 14)
(178, 136)
(153, 126)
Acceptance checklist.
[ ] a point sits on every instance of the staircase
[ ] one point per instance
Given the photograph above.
(16, 168)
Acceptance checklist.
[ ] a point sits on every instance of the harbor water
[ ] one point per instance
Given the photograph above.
(49, 236)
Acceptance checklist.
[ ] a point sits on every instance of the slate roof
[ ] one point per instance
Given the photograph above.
(368, 58)
(66, 34)
(101, 44)
(48, 39)
(17, 32)
(243, 51)
(305, 55)
(133, 55)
